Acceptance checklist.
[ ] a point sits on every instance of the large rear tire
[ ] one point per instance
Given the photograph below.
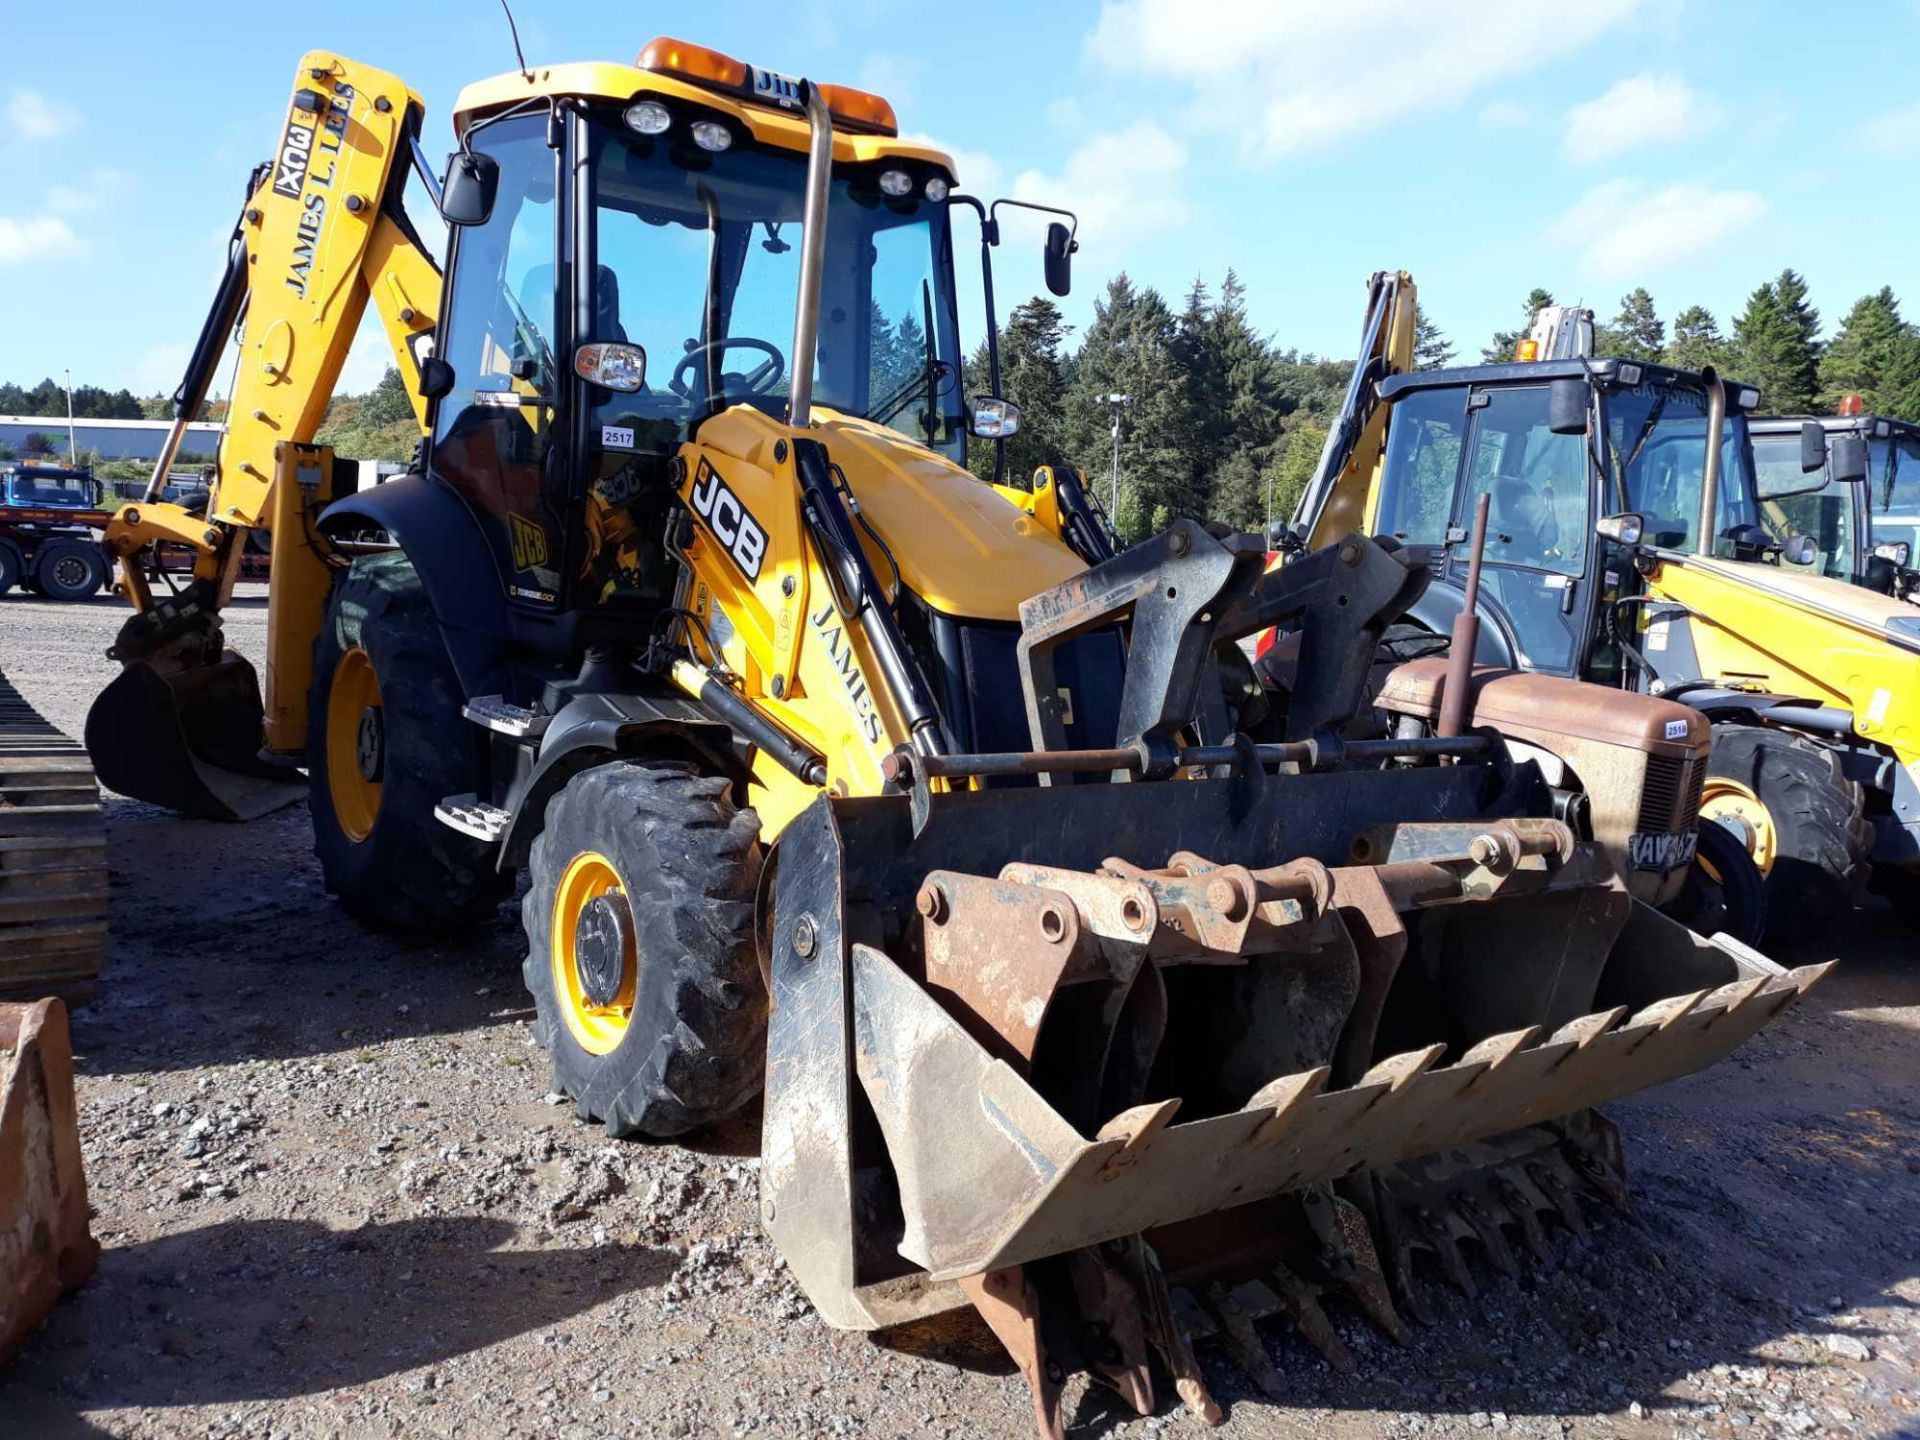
(1804, 823)
(386, 742)
(9, 566)
(70, 570)
(640, 947)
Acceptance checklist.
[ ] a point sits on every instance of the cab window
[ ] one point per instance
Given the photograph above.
(1421, 466)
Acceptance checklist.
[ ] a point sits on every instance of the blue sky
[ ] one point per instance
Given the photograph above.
(1487, 147)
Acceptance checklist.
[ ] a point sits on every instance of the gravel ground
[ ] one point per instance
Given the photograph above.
(336, 1201)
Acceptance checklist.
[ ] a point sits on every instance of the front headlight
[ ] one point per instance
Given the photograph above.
(711, 135)
(649, 117)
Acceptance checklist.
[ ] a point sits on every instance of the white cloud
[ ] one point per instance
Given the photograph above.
(1896, 133)
(1625, 229)
(37, 237)
(1123, 186)
(977, 171)
(34, 116)
(1504, 115)
(1302, 75)
(1641, 110)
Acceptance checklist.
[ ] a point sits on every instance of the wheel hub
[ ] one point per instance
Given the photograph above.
(369, 744)
(603, 947)
(1740, 810)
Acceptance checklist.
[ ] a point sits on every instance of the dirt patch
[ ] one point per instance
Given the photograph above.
(337, 1200)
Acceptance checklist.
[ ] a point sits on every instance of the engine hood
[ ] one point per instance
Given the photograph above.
(1836, 600)
(962, 547)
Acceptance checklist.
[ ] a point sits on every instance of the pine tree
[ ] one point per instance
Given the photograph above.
(1500, 349)
(1775, 345)
(1431, 349)
(1871, 345)
(388, 401)
(1033, 376)
(1636, 333)
(1130, 349)
(1696, 341)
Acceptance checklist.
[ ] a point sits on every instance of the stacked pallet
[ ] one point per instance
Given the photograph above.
(53, 860)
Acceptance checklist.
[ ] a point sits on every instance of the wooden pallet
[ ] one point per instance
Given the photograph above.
(53, 860)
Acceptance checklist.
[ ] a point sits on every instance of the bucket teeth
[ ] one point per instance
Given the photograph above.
(1237, 1333)
(1354, 1265)
(1523, 1204)
(1475, 1210)
(1008, 1302)
(1300, 1304)
(1117, 1328)
(1554, 1179)
(1168, 1337)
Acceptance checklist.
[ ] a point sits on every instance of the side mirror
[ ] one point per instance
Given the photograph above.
(1897, 552)
(1059, 258)
(1849, 459)
(989, 418)
(1813, 447)
(1799, 550)
(436, 377)
(1567, 406)
(466, 197)
(612, 365)
(1626, 528)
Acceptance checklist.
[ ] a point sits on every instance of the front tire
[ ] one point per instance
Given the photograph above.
(640, 947)
(386, 742)
(1804, 821)
(70, 571)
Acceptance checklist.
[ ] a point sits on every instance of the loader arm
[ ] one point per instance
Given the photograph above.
(322, 232)
(1339, 498)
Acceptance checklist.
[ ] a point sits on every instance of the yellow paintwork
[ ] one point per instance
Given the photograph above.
(964, 548)
(356, 799)
(605, 80)
(297, 597)
(1760, 627)
(598, 1029)
(1354, 502)
(308, 288)
(1723, 799)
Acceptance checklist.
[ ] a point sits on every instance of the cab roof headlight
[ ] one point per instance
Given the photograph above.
(937, 188)
(1630, 374)
(861, 109)
(1749, 398)
(666, 56)
(711, 135)
(649, 117)
(896, 183)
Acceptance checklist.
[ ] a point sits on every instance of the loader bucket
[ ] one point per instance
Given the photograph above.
(188, 738)
(1132, 1062)
(46, 1248)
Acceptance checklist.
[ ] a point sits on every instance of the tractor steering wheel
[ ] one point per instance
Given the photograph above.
(759, 381)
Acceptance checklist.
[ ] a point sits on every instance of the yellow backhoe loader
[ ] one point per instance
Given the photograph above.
(1631, 546)
(840, 775)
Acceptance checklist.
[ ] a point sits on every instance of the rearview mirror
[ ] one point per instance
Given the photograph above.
(466, 198)
(1626, 528)
(1898, 552)
(1799, 550)
(1059, 258)
(990, 418)
(1567, 406)
(1813, 447)
(612, 365)
(1849, 459)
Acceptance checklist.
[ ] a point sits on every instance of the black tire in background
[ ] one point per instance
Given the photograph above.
(407, 871)
(1724, 890)
(70, 570)
(692, 1048)
(1821, 836)
(9, 566)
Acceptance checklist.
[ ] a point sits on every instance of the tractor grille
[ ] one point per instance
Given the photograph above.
(1671, 799)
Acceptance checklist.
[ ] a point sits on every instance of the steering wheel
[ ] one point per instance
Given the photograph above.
(759, 380)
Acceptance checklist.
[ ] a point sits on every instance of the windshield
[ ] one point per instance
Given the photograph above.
(698, 261)
(1895, 488)
(1657, 457)
(68, 489)
(1824, 515)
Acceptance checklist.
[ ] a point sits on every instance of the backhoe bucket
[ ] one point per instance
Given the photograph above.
(188, 738)
(1134, 1062)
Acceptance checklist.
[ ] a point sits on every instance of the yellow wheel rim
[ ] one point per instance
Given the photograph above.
(598, 1027)
(356, 744)
(1729, 802)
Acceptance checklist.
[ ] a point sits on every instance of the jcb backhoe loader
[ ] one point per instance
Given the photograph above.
(840, 774)
(1627, 547)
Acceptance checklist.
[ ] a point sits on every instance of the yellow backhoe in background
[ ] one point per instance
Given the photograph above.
(1085, 983)
(1627, 547)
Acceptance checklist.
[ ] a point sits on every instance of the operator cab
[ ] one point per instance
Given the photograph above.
(658, 215)
(1503, 431)
(1865, 530)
